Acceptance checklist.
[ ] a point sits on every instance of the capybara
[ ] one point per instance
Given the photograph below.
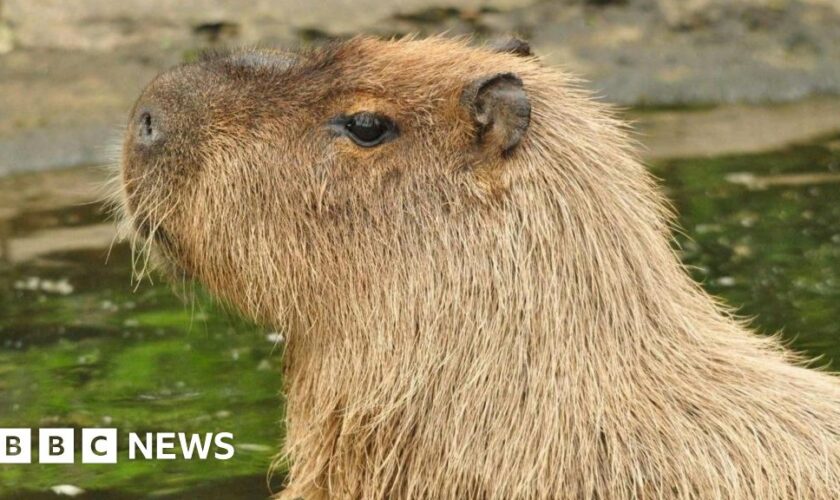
(474, 274)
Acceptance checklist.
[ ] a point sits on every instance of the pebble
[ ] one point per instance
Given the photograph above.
(67, 490)
(33, 283)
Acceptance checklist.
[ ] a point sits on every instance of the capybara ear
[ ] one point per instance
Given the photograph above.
(500, 110)
(512, 45)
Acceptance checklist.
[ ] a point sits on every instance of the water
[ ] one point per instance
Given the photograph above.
(80, 348)
(763, 232)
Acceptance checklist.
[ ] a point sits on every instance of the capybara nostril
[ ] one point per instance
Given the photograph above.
(148, 127)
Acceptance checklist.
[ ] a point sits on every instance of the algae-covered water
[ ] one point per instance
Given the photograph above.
(81, 346)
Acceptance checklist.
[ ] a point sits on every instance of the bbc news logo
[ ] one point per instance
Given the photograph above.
(99, 446)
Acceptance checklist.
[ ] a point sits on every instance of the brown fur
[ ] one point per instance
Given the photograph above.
(460, 323)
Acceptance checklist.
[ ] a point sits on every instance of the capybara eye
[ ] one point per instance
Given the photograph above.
(366, 129)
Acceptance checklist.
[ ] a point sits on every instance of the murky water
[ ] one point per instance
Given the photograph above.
(763, 232)
(80, 348)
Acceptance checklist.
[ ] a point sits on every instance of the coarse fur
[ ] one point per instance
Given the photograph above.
(460, 322)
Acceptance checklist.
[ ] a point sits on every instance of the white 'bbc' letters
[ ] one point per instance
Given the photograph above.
(15, 446)
(99, 446)
(55, 446)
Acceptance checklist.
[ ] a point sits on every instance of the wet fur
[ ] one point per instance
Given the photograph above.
(463, 324)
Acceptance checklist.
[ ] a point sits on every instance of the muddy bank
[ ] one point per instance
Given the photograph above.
(69, 76)
(636, 52)
(733, 129)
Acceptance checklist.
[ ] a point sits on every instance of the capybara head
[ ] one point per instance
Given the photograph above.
(284, 180)
(262, 170)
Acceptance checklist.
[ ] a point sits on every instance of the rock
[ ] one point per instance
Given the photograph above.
(67, 490)
(690, 14)
(275, 337)
(259, 448)
(105, 24)
(831, 4)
